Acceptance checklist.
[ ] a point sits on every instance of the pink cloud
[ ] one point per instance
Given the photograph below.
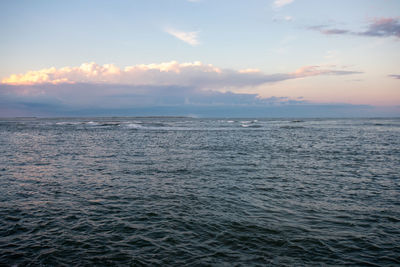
(195, 74)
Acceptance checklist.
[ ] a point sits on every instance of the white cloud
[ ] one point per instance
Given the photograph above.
(281, 3)
(188, 37)
(192, 74)
(170, 83)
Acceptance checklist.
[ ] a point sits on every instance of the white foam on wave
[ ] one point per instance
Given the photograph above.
(67, 123)
(251, 125)
(134, 126)
(253, 121)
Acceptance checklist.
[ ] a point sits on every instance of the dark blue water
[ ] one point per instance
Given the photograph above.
(181, 191)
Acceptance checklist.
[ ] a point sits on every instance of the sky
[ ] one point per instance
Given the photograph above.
(206, 58)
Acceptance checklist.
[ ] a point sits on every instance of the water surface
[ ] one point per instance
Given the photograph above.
(182, 191)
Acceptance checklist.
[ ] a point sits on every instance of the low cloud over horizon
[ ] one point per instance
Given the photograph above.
(171, 84)
(193, 74)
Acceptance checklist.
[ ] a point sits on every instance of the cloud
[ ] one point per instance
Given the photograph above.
(281, 3)
(193, 74)
(334, 31)
(188, 37)
(307, 71)
(106, 96)
(212, 105)
(323, 29)
(382, 27)
(92, 86)
(395, 76)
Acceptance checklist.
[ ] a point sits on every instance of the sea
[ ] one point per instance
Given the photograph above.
(177, 191)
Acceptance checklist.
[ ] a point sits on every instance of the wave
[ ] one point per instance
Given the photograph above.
(251, 126)
(67, 123)
(133, 126)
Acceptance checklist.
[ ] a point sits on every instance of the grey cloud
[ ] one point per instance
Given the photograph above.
(344, 72)
(122, 100)
(197, 85)
(194, 87)
(395, 76)
(334, 31)
(383, 27)
(124, 96)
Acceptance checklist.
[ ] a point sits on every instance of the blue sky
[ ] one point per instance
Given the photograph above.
(304, 52)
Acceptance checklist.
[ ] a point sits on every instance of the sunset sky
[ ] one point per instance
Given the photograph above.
(147, 57)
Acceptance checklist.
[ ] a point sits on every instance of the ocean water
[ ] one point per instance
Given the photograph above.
(199, 192)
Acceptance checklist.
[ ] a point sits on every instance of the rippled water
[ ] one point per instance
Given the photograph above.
(181, 191)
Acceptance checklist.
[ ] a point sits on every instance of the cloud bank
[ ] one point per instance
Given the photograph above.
(93, 86)
(194, 75)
